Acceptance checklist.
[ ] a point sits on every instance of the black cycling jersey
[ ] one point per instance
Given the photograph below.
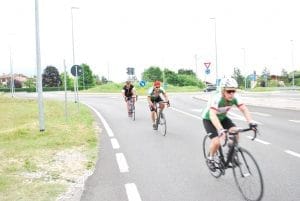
(128, 91)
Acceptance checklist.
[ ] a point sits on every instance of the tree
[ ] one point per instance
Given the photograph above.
(30, 83)
(238, 76)
(171, 77)
(17, 83)
(70, 81)
(265, 75)
(51, 77)
(86, 78)
(153, 73)
(186, 72)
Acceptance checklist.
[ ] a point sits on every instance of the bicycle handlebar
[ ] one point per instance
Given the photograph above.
(240, 130)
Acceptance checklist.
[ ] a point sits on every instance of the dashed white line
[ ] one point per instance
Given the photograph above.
(115, 143)
(132, 192)
(260, 141)
(292, 153)
(122, 163)
(261, 114)
(185, 113)
(105, 124)
(197, 110)
(240, 117)
(295, 121)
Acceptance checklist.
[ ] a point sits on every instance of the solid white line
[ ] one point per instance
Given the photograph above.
(191, 115)
(295, 121)
(122, 163)
(115, 143)
(292, 153)
(105, 124)
(132, 192)
(258, 140)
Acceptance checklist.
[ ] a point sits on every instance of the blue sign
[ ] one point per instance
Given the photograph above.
(207, 71)
(142, 83)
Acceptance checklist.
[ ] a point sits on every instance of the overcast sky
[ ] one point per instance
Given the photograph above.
(111, 35)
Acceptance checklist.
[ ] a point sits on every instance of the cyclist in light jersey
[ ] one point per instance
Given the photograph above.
(154, 96)
(215, 119)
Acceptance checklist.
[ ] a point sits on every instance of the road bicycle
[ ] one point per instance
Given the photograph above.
(131, 107)
(161, 121)
(246, 172)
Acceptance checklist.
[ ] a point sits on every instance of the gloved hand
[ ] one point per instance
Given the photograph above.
(222, 132)
(168, 103)
(253, 126)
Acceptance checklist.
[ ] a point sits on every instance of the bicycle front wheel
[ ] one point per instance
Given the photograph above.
(163, 124)
(247, 175)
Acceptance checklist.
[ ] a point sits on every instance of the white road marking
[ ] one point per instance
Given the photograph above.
(115, 143)
(191, 115)
(122, 163)
(260, 141)
(105, 124)
(197, 110)
(292, 153)
(132, 192)
(295, 121)
(240, 117)
(261, 114)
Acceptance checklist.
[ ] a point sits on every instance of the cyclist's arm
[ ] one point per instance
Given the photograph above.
(214, 119)
(149, 100)
(243, 108)
(165, 96)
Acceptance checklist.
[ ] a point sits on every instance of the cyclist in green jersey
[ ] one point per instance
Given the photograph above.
(154, 96)
(215, 119)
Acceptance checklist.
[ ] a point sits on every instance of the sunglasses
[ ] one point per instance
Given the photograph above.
(230, 91)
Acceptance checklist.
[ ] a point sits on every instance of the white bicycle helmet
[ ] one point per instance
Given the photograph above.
(228, 83)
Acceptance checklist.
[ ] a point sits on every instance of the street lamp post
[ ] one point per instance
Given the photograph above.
(292, 61)
(216, 48)
(39, 74)
(12, 79)
(73, 51)
(244, 58)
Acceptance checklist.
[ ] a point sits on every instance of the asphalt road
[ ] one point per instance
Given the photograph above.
(171, 168)
(137, 163)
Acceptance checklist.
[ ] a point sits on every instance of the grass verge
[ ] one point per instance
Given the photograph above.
(38, 165)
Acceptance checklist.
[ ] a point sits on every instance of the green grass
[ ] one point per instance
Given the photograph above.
(30, 167)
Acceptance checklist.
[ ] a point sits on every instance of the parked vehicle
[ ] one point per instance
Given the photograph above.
(210, 87)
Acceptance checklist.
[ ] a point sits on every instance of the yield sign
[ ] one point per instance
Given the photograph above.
(207, 64)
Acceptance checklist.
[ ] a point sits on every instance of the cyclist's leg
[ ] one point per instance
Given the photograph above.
(229, 125)
(153, 114)
(128, 105)
(214, 143)
(210, 129)
(161, 104)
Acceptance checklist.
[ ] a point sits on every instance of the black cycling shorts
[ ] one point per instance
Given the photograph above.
(210, 128)
(156, 100)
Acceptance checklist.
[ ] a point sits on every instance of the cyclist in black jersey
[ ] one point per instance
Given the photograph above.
(154, 96)
(215, 119)
(128, 92)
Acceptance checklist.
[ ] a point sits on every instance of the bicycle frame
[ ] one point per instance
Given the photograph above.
(232, 148)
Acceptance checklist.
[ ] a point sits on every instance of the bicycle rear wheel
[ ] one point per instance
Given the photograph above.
(205, 146)
(163, 124)
(247, 175)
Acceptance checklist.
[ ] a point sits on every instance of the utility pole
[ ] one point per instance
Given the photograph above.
(39, 74)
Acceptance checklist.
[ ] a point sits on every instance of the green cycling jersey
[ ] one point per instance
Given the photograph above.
(221, 105)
